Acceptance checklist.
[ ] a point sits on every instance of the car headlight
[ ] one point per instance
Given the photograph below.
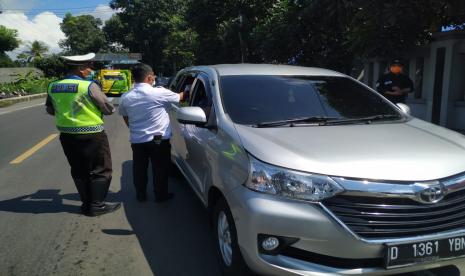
(269, 179)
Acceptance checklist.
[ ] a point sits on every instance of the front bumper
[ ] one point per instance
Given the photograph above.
(318, 233)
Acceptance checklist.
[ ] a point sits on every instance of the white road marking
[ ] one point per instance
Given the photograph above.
(21, 108)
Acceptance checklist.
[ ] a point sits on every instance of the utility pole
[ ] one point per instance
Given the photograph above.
(241, 42)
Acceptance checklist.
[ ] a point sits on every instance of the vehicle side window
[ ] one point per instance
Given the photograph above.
(202, 98)
(175, 82)
(185, 83)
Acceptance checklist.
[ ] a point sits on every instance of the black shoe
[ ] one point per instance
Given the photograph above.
(105, 208)
(141, 198)
(163, 198)
(85, 209)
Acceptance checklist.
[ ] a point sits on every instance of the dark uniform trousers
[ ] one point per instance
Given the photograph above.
(158, 152)
(90, 160)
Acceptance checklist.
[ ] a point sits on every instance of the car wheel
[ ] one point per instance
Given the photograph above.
(227, 249)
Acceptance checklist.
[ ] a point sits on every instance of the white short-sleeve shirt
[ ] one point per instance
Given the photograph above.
(146, 108)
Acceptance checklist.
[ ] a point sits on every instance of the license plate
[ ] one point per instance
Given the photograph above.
(426, 251)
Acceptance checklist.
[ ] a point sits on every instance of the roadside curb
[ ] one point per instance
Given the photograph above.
(10, 101)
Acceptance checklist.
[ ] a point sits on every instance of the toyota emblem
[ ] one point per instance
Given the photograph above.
(432, 194)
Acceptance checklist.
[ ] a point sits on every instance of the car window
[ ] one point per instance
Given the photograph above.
(201, 97)
(257, 99)
(109, 77)
(185, 83)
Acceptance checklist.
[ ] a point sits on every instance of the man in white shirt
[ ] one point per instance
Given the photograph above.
(144, 109)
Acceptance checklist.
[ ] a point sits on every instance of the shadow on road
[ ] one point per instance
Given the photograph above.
(175, 235)
(41, 202)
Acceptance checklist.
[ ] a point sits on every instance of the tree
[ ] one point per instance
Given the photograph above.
(225, 28)
(143, 27)
(35, 51)
(52, 66)
(179, 45)
(116, 35)
(83, 34)
(8, 42)
(8, 39)
(333, 34)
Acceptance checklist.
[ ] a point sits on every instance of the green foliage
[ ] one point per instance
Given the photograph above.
(179, 45)
(83, 34)
(116, 35)
(154, 28)
(52, 66)
(36, 50)
(5, 61)
(28, 83)
(8, 39)
(333, 34)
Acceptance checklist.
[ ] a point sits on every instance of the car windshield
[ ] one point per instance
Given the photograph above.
(258, 99)
(107, 77)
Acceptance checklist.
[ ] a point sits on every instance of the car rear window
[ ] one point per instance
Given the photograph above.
(253, 99)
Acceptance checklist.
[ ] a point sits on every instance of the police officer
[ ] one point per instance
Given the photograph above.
(78, 106)
(395, 85)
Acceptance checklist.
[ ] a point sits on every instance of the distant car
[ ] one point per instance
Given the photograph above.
(114, 82)
(163, 81)
(306, 171)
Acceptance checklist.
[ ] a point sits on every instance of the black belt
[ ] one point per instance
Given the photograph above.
(158, 138)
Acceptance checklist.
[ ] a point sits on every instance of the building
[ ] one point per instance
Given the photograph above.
(438, 71)
(121, 60)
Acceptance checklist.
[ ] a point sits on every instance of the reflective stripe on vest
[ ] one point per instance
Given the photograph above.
(75, 111)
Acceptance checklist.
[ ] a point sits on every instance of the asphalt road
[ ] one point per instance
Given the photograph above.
(42, 232)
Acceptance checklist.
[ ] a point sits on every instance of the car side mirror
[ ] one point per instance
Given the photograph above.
(192, 115)
(404, 108)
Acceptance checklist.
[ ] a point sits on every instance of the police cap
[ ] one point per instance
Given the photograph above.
(397, 62)
(79, 60)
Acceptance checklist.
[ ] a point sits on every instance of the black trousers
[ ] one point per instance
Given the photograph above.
(90, 160)
(158, 152)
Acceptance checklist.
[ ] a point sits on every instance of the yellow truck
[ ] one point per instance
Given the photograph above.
(114, 82)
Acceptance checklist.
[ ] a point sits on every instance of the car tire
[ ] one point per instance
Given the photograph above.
(227, 249)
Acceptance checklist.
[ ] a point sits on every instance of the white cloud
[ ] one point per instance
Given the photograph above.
(104, 12)
(44, 27)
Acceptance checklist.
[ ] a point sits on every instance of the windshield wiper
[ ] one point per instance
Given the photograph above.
(369, 119)
(292, 122)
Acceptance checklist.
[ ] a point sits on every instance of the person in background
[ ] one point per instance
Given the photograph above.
(144, 109)
(78, 106)
(395, 85)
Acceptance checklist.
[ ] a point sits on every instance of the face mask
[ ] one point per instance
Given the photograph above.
(154, 83)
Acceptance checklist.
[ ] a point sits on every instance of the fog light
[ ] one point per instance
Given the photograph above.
(270, 243)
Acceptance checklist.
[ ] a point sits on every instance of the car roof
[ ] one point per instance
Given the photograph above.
(268, 69)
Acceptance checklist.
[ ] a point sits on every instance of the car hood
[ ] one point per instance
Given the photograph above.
(409, 151)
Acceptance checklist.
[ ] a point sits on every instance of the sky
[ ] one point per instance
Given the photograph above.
(40, 19)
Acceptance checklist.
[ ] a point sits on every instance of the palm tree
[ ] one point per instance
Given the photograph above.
(36, 50)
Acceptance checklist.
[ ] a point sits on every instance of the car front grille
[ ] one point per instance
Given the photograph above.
(380, 218)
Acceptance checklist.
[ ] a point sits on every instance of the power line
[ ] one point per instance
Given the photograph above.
(58, 9)
(64, 13)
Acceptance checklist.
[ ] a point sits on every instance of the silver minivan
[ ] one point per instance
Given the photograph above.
(306, 171)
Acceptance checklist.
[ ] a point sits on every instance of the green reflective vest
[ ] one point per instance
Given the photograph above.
(74, 110)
